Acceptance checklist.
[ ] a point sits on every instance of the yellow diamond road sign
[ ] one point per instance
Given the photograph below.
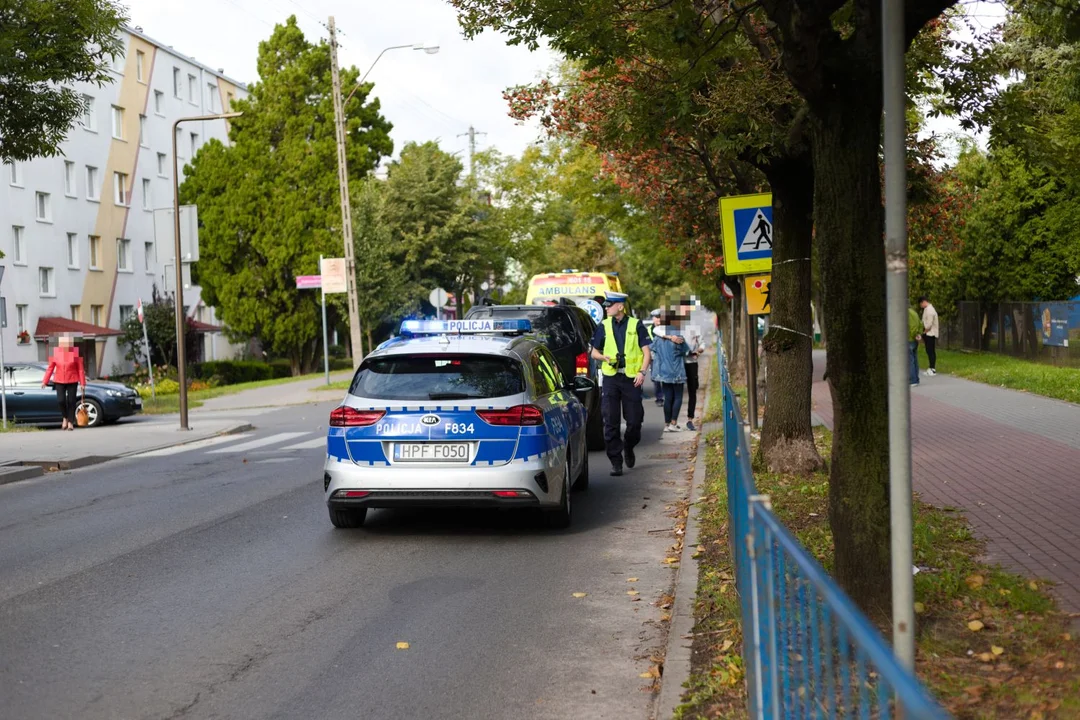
(747, 225)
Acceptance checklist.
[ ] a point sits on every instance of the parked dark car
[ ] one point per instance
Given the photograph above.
(566, 330)
(28, 402)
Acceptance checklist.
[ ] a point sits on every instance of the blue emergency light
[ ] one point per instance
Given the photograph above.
(461, 327)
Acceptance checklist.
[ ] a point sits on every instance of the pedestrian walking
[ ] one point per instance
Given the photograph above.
(914, 333)
(68, 374)
(694, 348)
(669, 359)
(622, 344)
(930, 333)
(658, 389)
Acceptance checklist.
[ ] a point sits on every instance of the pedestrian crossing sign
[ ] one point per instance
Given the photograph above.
(747, 225)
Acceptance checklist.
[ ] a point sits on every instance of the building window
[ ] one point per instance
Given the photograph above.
(93, 189)
(147, 199)
(148, 256)
(45, 282)
(73, 251)
(126, 313)
(118, 122)
(123, 255)
(22, 314)
(120, 188)
(76, 313)
(95, 252)
(69, 178)
(176, 82)
(162, 164)
(118, 63)
(16, 174)
(42, 210)
(142, 131)
(194, 143)
(140, 57)
(89, 121)
(18, 247)
(179, 142)
(95, 314)
(229, 98)
(192, 88)
(211, 97)
(159, 102)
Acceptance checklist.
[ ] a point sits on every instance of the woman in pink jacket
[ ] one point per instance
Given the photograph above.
(68, 374)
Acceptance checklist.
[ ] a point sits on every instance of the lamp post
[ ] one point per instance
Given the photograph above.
(355, 337)
(181, 351)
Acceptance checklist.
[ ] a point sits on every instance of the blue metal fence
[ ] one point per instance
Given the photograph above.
(809, 652)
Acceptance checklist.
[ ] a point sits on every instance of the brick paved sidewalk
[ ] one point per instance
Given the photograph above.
(1010, 460)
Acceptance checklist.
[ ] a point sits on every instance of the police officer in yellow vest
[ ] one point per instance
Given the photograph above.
(621, 344)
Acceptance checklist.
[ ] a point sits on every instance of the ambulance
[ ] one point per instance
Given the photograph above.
(571, 284)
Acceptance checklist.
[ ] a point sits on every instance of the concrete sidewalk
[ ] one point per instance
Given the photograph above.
(1009, 460)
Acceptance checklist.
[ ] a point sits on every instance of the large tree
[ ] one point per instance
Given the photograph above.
(268, 203)
(442, 229)
(45, 47)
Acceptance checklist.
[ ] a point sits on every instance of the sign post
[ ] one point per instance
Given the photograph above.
(310, 282)
(146, 344)
(747, 224)
(334, 280)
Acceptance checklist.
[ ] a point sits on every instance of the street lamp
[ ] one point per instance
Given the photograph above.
(181, 352)
(355, 338)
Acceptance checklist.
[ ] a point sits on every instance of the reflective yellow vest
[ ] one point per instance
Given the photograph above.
(635, 358)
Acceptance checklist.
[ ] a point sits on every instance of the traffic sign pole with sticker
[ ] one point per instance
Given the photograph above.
(748, 234)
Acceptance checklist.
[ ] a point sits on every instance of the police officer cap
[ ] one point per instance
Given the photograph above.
(615, 297)
(655, 313)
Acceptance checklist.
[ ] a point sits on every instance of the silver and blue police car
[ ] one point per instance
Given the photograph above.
(471, 413)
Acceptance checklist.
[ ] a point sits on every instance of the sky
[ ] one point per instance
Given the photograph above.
(425, 97)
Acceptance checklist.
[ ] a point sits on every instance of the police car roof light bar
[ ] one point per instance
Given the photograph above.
(465, 327)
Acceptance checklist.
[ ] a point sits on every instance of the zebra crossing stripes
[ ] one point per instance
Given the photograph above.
(261, 442)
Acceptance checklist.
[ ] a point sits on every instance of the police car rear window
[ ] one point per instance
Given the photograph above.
(438, 377)
(556, 329)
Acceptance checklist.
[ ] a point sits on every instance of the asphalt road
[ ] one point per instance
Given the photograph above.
(207, 582)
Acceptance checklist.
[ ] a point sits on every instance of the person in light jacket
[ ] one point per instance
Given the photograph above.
(68, 374)
(669, 353)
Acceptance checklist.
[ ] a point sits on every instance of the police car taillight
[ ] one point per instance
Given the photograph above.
(351, 417)
(517, 415)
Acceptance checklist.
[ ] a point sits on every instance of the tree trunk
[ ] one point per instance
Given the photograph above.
(787, 440)
(737, 361)
(370, 342)
(846, 137)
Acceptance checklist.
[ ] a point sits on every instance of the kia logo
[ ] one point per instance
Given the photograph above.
(430, 419)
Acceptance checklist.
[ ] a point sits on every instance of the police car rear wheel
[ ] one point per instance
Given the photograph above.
(347, 518)
(560, 516)
(582, 482)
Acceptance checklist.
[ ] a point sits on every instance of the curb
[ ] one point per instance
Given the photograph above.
(29, 469)
(678, 652)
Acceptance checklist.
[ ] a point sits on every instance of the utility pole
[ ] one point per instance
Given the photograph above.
(472, 145)
(355, 337)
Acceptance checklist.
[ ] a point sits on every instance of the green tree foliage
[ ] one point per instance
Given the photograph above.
(269, 202)
(45, 47)
(160, 319)
(442, 229)
(383, 285)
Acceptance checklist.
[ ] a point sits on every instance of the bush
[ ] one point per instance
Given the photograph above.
(340, 364)
(164, 386)
(232, 372)
(280, 369)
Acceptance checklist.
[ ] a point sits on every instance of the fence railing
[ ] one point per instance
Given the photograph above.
(809, 652)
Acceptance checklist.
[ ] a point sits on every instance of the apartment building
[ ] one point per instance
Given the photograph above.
(77, 230)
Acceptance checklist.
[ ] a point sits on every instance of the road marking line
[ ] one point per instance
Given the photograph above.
(197, 445)
(243, 447)
(308, 444)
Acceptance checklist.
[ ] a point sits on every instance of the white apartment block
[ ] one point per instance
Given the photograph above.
(77, 230)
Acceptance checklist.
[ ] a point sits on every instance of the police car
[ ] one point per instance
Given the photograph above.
(472, 413)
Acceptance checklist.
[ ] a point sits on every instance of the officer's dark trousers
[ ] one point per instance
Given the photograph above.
(620, 399)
